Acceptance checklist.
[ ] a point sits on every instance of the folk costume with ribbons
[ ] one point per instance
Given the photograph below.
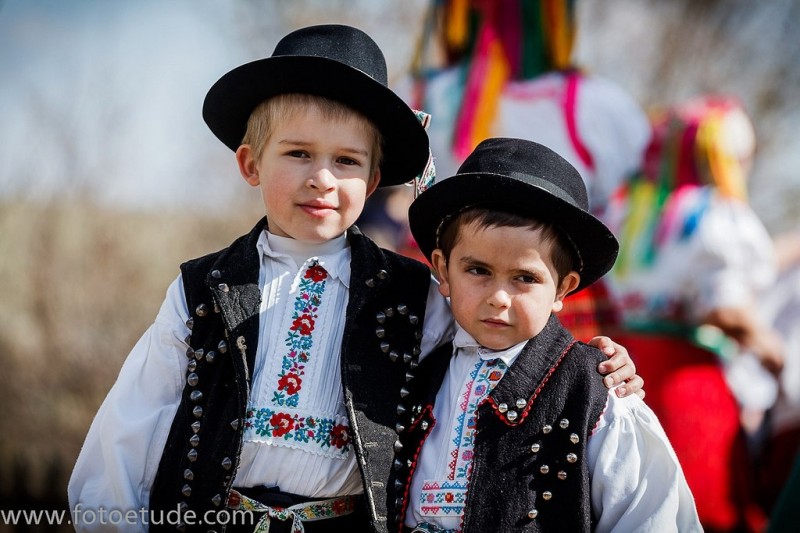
(690, 243)
(505, 69)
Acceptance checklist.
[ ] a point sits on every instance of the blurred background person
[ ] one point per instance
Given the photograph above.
(694, 263)
(781, 305)
(504, 68)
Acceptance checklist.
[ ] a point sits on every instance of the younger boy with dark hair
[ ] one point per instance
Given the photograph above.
(270, 379)
(522, 435)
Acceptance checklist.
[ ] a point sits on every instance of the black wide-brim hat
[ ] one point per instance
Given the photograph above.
(338, 62)
(523, 177)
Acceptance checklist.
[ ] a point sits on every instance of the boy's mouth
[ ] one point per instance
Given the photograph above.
(317, 207)
(495, 322)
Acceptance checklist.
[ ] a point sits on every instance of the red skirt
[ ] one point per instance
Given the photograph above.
(686, 389)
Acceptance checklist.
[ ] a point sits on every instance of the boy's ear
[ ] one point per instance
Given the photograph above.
(247, 165)
(373, 184)
(567, 285)
(439, 265)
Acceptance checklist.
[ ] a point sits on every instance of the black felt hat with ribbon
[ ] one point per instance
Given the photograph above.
(338, 62)
(523, 177)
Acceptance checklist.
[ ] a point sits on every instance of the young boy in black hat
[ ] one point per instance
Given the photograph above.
(271, 377)
(522, 435)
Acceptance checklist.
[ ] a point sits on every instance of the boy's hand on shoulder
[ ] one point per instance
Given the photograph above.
(619, 368)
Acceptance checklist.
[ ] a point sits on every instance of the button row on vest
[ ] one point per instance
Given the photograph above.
(381, 274)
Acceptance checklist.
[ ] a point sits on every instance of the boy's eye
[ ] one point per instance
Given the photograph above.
(297, 153)
(347, 161)
(478, 271)
(529, 279)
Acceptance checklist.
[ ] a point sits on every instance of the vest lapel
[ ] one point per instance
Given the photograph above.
(234, 282)
(525, 378)
(366, 266)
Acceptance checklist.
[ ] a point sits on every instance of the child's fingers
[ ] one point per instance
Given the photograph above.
(619, 366)
(619, 369)
(606, 345)
(632, 386)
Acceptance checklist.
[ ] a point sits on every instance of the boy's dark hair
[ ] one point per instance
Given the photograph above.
(487, 216)
(524, 178)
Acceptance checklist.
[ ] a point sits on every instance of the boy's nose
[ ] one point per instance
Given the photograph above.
(499, 297)
(322, 179)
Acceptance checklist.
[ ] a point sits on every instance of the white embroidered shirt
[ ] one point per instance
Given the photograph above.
(118, 462)
(636, 481)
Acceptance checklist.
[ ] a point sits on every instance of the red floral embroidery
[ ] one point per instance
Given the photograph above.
(448, 497)
(495, 375)
(316, 273)
(309, 431)
(339, 436)
(339, 506)
(234, 499)
(290, 383)
(300, 338)
(303, 324)
(281, 424)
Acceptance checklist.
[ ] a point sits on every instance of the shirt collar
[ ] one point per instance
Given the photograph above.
(333, 255)
(463, 342)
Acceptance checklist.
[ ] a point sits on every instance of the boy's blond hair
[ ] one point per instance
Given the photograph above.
(261, 123)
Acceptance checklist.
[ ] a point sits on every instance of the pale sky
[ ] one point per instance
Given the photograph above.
(105, 97)
(108, 95)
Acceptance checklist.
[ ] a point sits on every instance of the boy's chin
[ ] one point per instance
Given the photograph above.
(317, 237)
(496, 345)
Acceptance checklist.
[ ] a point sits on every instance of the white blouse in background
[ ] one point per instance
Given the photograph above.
(728, 260)
(609, 123)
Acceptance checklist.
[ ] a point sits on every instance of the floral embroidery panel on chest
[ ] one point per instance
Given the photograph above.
(447, 497)
(300, 339)
(285, 420)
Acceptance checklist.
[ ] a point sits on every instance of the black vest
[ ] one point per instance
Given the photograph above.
(380, 349)
(529, 470)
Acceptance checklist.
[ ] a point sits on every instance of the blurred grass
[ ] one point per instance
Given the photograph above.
(79, 286)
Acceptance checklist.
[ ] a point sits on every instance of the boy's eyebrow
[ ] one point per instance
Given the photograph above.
(347, 149)
(468, 260)
(471, 260)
